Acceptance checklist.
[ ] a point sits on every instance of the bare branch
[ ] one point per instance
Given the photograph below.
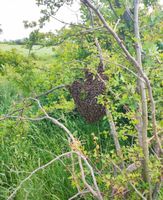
(137, 191)
(89, 187)
(55, 121)
(92, 174)
(144, 118)
(114, 134)
(79, 194)
(115, 27)
(50, 91)
(126, 68)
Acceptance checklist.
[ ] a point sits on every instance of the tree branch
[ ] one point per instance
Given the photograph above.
(79, 194)
(115, 135)
(55, 121)
(144, 118)
(89, 187)
(130, 58)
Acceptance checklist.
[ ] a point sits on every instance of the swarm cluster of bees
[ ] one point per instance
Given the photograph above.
(85, 93)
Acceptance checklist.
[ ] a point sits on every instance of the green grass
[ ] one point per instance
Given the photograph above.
(23, 153)
(37, 50)
(25, 146)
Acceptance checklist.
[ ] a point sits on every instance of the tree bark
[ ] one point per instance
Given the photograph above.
(144, 119)
(115, 136)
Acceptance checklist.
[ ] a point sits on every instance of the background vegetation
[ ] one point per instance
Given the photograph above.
(47, 60)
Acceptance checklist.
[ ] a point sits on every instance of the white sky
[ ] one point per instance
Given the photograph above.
(14, 12)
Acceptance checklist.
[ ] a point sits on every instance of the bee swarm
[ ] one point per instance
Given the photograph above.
(85, 94)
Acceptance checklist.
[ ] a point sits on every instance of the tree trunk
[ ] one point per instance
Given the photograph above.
(143, 120)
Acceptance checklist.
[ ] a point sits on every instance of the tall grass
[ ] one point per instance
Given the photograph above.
(26, 146)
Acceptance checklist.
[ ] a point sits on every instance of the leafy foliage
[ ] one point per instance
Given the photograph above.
(27, 144)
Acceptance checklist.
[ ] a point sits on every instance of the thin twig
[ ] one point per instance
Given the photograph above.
(92, 174)
(55, 121)
(89, 187)
(73, 174)
(115, 27)
(50, 91)
(79, 194)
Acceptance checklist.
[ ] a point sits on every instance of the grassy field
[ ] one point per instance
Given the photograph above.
(37, 50)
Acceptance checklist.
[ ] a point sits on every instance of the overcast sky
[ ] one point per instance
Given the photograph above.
(14, 12)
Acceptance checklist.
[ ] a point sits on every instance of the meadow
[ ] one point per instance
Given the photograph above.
(38, 50)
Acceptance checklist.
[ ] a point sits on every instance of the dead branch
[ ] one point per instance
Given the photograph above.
(92, 174)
